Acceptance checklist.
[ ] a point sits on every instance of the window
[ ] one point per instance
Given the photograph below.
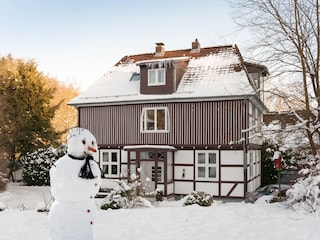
(154, 120)
(159, 174)
(156, 76)
(206, 165)
(135, 77)
(110, 163)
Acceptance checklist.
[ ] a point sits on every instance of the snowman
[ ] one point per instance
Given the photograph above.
(75, 180)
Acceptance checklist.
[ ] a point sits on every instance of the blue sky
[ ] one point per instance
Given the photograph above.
(77, 41)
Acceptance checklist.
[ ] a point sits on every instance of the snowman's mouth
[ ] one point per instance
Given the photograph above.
(92, 149)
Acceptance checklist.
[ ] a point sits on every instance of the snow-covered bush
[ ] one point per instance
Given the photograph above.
(305, 194)
(36, 165)
(3, 172)
(201, 198)
(126, 195)
(2, 207)
(269, 175)
(3, 181)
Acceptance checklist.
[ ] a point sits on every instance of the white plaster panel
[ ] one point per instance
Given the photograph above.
(232, 157)
(254, 184)
(124, 156)
(211, 188)
(188, 172)
(183, 157)
(232, 174)
(170, 188)
(183, 187)
(237, 192)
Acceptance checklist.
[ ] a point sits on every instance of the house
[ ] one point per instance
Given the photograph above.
(184, 120)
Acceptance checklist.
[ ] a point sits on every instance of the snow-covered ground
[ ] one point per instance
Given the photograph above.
(165, 221)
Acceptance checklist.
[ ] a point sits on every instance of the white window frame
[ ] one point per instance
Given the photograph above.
(144, 120)
(206, 165)
(110, 164)
(157, 76)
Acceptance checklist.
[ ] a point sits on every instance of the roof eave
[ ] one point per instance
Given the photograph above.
(168, 100)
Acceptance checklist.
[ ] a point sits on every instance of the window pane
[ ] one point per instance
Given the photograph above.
(160, 155)
(151, 155)
(150, 120)
(114, 169)
(159, 173)
(201, 158)
(132, 169)
(144, 155)
(161, 76)
(212, 172)
(161, 119)
(114, 157)
(154, 119)
(105, 169)
(212, 158)
(153, 174)
(105, 157)
(151, 76)
(147, 155)
(132, 155)
(135, 77)
(201, 172)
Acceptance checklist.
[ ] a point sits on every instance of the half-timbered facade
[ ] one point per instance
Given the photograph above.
(184, 120)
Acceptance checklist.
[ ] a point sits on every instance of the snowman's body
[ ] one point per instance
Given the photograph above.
(72, 213)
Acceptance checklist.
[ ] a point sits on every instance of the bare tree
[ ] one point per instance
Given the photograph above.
(286, 37)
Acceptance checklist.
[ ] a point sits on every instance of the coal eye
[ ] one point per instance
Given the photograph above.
(83, 142)
(92, 143)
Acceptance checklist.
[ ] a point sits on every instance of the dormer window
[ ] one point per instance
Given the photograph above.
(156, 76)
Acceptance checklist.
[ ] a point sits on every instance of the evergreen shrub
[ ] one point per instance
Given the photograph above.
(201, 198)
(36, 165)
(126, 195)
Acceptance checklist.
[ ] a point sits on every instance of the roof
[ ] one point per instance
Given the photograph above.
(213, 72)
(133, 147)
(289, 117)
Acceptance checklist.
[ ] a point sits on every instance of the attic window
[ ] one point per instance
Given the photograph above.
(135, 77)
(156, 76)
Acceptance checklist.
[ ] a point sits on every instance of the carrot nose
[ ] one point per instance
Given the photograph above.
(92, 149)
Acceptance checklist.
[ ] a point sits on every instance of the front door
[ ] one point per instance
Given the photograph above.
(150, 166)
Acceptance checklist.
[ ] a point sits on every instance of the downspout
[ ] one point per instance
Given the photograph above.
(245, 150)
(78, 122)
(245, 168)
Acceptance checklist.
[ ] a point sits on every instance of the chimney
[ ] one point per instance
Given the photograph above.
(159, 49)
(195, 46)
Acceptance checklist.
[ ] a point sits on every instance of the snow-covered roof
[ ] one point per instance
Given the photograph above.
(215, 72)
(149, 146)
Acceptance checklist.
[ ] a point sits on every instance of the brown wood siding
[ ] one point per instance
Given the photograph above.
(197, 123)
(174, 75)
(167, 88)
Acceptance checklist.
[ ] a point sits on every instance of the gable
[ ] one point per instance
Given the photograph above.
(215, 72)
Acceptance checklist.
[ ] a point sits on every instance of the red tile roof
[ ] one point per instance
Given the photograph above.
(177, 53)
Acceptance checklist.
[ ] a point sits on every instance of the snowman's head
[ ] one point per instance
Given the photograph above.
(81, 143)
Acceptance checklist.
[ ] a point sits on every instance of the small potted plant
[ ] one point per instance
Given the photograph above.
(159, 195)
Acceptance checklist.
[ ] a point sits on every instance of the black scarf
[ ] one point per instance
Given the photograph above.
(85, 171)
